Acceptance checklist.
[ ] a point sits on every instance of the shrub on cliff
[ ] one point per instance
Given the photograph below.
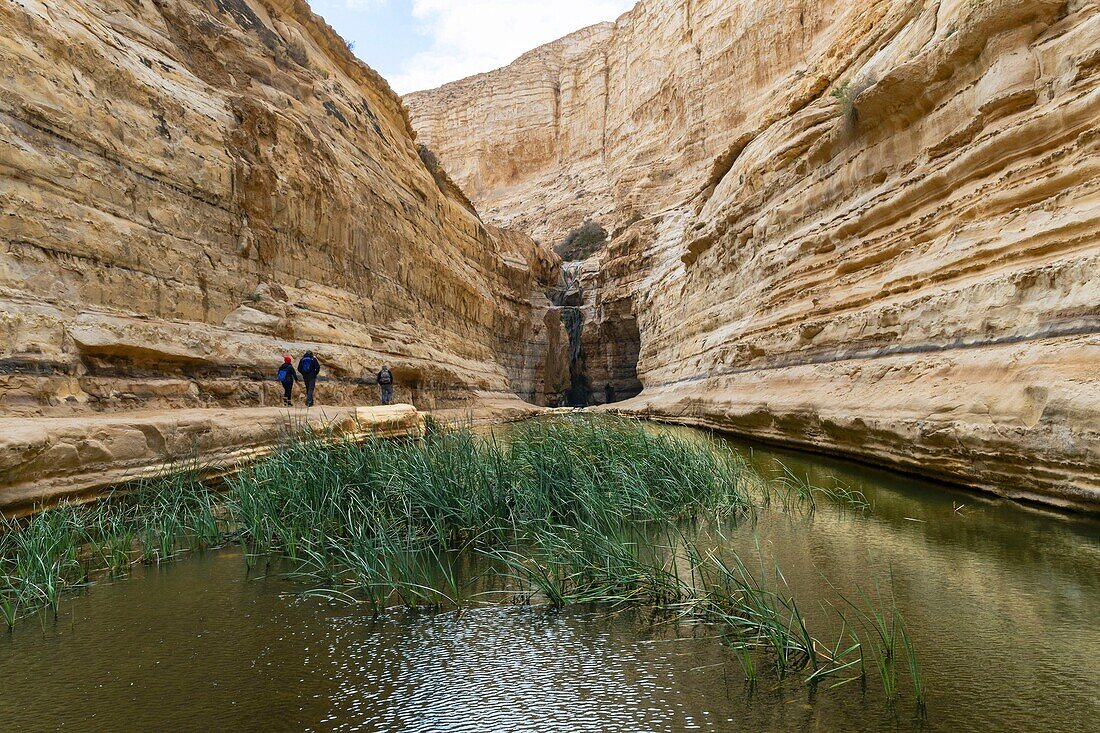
(582, 242)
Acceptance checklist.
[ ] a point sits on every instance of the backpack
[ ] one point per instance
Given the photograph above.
(286, 373)
(385, 377)
(309, 366)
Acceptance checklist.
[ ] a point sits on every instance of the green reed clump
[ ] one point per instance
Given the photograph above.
(456, 486)
(888, 639)
(361, 507)
(41, 560)
(57, 549)
(763, 616)
(576, 465)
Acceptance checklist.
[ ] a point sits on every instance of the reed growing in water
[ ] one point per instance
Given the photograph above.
(60, 548)
(559, 511)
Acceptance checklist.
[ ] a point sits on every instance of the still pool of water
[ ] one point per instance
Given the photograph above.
(1003, 602)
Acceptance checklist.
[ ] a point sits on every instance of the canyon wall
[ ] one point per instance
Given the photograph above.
(191, 188)
(869, 227)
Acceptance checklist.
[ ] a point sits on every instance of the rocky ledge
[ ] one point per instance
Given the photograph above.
(43, 460)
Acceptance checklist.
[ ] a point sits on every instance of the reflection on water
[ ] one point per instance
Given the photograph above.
(1002, 601)
(491, 668)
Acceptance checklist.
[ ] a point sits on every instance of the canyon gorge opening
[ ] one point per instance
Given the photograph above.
(730, 339)
(868, 228)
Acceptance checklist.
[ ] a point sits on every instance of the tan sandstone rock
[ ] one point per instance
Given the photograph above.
(191, 188)
(869, 227)
(48, 458)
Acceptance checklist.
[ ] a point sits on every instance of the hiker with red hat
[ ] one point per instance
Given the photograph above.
(287, 377)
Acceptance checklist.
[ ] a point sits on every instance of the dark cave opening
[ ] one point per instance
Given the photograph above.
(603, 357)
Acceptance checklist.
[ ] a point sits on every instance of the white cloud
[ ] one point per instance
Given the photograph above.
(471, 36)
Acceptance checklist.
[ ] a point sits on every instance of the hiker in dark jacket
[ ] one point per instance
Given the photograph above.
(287, 377)
(309, 368)
(385, 385)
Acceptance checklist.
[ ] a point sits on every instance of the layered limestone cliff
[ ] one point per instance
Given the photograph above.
(191, 188)
(869, 227)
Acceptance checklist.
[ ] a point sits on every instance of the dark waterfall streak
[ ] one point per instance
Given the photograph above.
(572, 317)
(579, 390)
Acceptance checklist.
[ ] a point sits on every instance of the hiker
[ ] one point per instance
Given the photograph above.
(609, 393)
(385, 385)
(287, 377)
(310, 368)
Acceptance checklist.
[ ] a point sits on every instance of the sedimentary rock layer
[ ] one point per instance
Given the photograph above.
(44, 459)
(867, 227)
(191, 188)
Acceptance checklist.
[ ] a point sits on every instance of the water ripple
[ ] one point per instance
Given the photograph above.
(500, 669)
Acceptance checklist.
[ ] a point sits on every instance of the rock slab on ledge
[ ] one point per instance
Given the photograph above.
(44, 460)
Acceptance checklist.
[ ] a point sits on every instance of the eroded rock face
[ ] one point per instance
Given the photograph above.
(45, 459)
(191, 188)
(604, 339)
(869, 227)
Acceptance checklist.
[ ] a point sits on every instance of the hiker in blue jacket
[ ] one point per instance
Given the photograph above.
(287, 377)
(309, 368)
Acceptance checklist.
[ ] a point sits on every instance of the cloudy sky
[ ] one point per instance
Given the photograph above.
(420, 44)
